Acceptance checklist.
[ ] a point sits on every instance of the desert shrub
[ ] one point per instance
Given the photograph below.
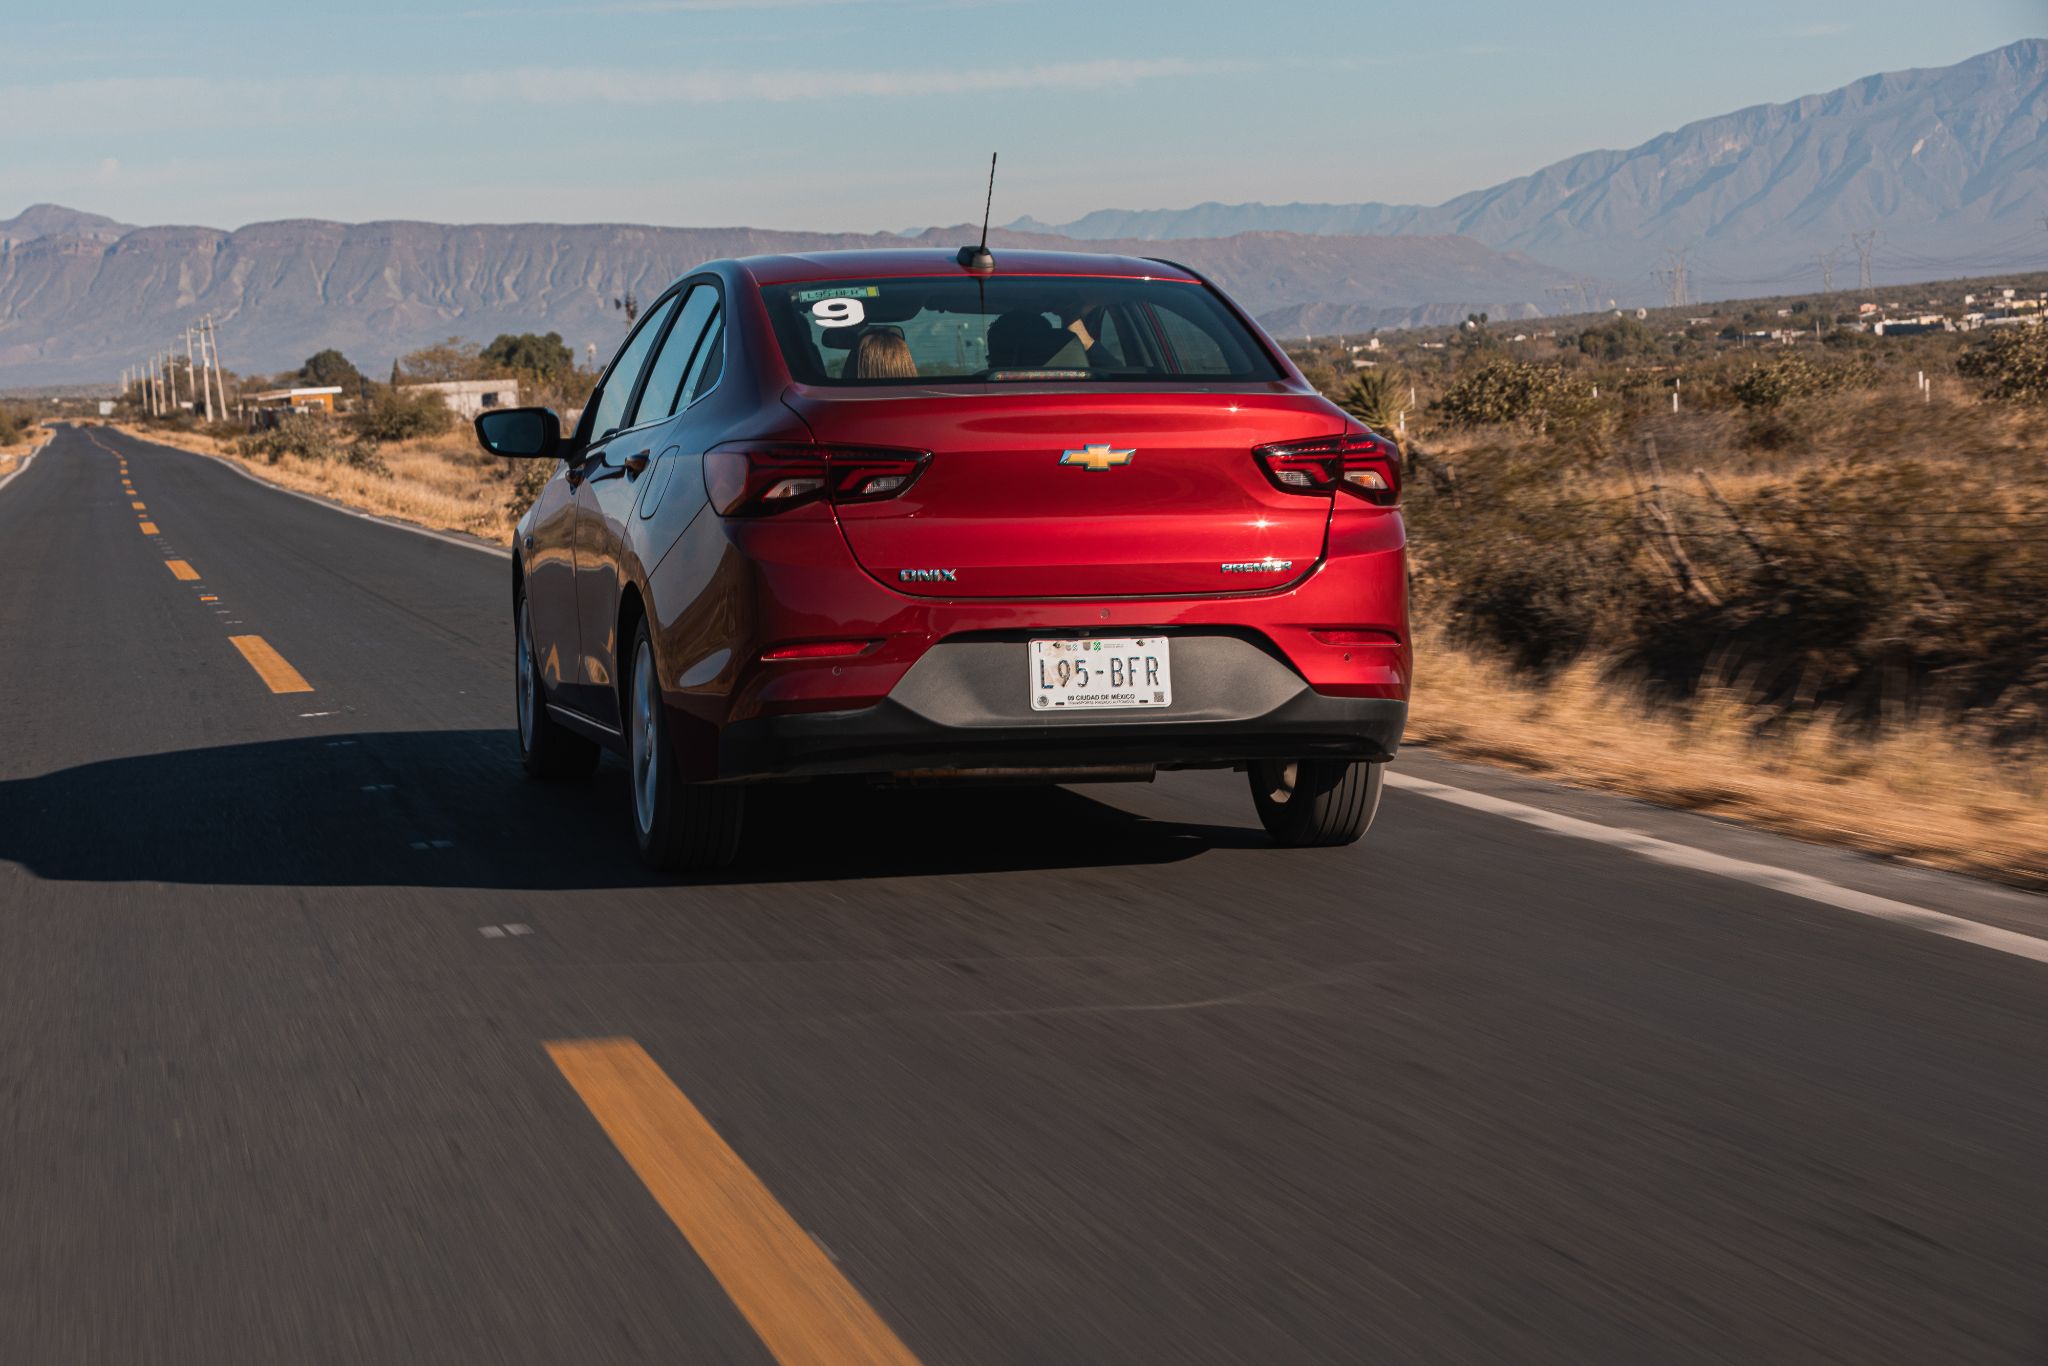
(1872, 588)
(394, 415)
(2012, 365)
(16, 423)
(533, 476)
(1794, 376)
(1496, 392)
(296, 434)
(1618, 339)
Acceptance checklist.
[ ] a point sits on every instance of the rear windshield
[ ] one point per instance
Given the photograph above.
(966, 330)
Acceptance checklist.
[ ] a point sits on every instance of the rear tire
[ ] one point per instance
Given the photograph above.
(1316, 803)
(681, 827)
(547, 749)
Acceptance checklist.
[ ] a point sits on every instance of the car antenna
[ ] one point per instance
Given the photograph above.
(978, 258)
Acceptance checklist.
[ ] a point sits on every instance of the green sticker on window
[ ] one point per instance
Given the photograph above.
(806, 296)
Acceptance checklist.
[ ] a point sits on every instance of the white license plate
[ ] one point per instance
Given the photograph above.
(1100, 674)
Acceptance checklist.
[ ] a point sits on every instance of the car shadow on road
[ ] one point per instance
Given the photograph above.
(451, 809)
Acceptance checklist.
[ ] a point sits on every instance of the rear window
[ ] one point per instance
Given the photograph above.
(965, 330)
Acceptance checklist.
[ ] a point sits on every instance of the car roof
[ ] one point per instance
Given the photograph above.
(886, 262)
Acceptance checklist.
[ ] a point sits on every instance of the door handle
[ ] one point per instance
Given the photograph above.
(632, 465)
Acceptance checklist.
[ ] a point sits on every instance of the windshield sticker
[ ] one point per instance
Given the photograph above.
(838, 312)
(810, 296)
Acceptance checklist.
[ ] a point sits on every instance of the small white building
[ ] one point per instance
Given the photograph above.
(468, 397)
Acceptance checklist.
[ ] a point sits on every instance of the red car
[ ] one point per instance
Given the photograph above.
(921, 516)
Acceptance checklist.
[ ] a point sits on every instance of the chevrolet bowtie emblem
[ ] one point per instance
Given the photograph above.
(1097, 455)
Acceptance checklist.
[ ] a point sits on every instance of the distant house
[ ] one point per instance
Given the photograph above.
(318, 398)
(468, 397)
(1907, 327)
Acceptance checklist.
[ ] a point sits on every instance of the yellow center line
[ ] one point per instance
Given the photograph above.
(139, 507)
(148, 528)
(269, 665)
(181, 570)
(805, 1311)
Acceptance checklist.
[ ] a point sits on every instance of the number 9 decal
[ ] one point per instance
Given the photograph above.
(838, 312)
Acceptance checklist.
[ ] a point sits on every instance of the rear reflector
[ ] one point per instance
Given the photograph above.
(817, 649)
(1356, 636)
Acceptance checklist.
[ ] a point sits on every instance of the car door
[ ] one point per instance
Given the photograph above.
(587, 687)
(548, 562)
(613, 485)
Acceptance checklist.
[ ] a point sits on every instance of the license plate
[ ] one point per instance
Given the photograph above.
(1100, 674)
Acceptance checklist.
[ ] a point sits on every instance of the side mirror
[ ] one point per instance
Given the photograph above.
(520, 433)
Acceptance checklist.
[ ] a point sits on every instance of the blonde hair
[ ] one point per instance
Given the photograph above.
(880, 355)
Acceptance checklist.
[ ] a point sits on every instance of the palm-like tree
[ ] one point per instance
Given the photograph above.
(1377, 398)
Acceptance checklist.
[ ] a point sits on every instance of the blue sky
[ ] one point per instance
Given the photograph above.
(879, 114)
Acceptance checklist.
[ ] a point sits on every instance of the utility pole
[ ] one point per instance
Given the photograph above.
(205, 375)
(190, 375)
(1864, 242)
(213, 349)
(1827, 270)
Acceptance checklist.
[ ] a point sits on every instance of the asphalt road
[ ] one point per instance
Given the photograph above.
(1083, 1075)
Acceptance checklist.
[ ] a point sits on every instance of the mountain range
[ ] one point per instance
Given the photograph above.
(85, 296)
(1947, 167)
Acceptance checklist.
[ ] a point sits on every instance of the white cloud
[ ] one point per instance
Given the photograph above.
(828, 83)
(123, 105)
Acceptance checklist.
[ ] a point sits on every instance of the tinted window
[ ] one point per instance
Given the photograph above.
(665, 376)
(610, 411)
(963, 330)
(709, 364)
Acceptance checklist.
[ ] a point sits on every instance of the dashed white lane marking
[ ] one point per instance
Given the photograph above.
(500, 931)
(1741, 870)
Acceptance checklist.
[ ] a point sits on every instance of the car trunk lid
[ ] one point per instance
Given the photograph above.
(1063, 495)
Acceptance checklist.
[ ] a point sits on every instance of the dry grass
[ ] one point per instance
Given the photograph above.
(443, 482)
(12, 456)
(1919, 793)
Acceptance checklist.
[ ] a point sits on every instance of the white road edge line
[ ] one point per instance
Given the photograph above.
(26, 461)
(466, 543)
(1741, 870)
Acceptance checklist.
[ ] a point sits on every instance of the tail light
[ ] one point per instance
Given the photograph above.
(755, 479)
(1357, 463)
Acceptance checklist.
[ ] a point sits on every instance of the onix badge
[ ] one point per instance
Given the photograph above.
(1097, 455)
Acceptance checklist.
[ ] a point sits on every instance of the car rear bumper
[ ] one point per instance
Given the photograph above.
(965, 706)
